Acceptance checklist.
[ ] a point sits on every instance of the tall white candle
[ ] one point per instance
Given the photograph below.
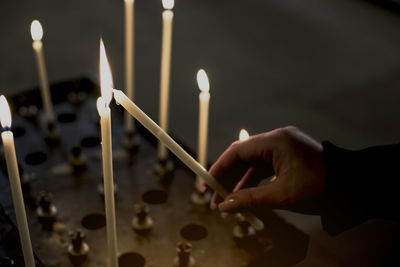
(37, 34)
(167, 16)
(129, 60)
(188, 160)
(204, 101)
(15, 183)
(103, 108)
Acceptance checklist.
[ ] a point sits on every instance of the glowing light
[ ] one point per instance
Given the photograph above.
(106, 83)
(168, 4)
(36, 30)
(202, 81)
(244, 135)
(5, 113)
(129, 1)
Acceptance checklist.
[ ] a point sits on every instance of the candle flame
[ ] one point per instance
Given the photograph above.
(5, 113)
(106, 83)
(244, 135)
(36, 30)
(202, 81)
(168, 4)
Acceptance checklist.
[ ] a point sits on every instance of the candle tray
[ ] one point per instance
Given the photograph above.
(48, 178)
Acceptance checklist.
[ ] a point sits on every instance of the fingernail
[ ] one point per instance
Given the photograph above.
(213, 206)
(227, 204)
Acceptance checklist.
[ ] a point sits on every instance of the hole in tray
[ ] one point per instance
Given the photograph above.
(90, 141)
(131, 259)
(94, 221)
(35, 158)
(18, 131)
(155, 197)
(194, 232)
(66, 117)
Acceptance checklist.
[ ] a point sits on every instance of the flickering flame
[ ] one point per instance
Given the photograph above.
(244, 135)
(106, 83)
(36, 30)
(202, 81)
(168, 4)
(5, 113)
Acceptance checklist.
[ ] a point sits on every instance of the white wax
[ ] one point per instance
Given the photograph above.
(18, 199)
(189, 161)
(105, 123)
(44, 83)
(167, 16)
(204, 101)
(129, 60)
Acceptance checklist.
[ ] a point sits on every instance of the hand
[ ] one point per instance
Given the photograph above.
(293, 157)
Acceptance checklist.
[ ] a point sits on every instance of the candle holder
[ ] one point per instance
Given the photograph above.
(242, 229)
(52, 138)
(142, 223)
(184, 257)
(164, 170)
(79, 202)
(200, 198)
(77, 160)
(78, 249)
(46, 211)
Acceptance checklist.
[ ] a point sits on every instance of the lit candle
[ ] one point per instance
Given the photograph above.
(15, 182)
(167, 16)
(37, 34)
(129, 60)
(204, 101)
(103, 108)
(188, 160)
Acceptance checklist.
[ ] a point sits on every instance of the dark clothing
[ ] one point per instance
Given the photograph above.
(361, 185)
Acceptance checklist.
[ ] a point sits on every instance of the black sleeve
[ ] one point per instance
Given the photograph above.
(361, 185)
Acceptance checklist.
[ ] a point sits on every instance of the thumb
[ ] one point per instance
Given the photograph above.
(268, 195)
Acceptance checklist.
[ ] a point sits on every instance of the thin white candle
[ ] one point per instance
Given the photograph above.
(129, 60)
(204, 101)
(189, 161)
(37, 34)
(103, 108)
(15, 183)
(167, 16)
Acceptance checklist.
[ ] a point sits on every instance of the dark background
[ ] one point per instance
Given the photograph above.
(330, 67)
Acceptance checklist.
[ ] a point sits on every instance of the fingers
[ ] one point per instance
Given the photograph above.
(240, 152)
(248, 180)
(270, 195)
(232, 167)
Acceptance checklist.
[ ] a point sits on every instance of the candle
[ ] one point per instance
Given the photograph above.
(167, 16)
(190, 162)
(204, 100)
(15, 182)
(103, 108)
(37, 34)
(129, 60)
